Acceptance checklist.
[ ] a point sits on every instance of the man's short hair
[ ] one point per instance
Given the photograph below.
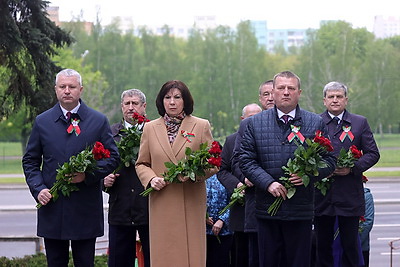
(133, 92)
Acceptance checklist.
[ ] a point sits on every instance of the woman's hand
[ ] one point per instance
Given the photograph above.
(183, 178)
(158, 183)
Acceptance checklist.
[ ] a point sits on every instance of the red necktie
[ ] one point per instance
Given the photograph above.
(285, 118)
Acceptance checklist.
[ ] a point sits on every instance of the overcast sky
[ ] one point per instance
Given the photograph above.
(285, 14)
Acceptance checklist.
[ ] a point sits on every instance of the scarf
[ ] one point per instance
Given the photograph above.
(173, 124)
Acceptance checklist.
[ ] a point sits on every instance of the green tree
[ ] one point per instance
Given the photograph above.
(28, 40)
(335, 52)
(379, 98)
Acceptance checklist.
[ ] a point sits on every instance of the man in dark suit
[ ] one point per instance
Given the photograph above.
(250, 222)
(76, 219)
(345, 197)
(128, 210)
(230, 181)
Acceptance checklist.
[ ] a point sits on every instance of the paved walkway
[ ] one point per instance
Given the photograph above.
(23, 186)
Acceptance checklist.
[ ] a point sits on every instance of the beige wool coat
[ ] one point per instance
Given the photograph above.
(177, 212)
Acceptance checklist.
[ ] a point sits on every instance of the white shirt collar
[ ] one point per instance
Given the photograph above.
(74, 110)
(340, 116)
(292, 113)
(127, 125)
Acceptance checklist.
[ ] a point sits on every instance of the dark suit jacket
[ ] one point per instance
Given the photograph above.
(250, 221)
(346, 194)
(127, 206)
(230, 181)
(79, 216)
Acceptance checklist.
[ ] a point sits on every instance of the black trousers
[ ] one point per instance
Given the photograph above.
(57, 252)
(324, 230)
(240, 257)
(284, 243)
(218, 250)
(122, 245)
(253, 249)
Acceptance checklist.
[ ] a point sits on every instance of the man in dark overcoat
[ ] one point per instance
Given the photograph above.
(128, 210)
(57, 134)
(345, 197)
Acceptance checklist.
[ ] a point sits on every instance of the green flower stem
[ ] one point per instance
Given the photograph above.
(234, 200)
(273, 209)
(147, 192)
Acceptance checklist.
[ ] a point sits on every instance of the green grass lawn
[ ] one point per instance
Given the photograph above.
(10, 166)
(10, 149)
(388, 140)
(389, 145)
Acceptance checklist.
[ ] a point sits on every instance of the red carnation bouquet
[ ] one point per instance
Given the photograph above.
(194, 164)
(306, 162)
(345, 159)
(128, 146)
(85, 161)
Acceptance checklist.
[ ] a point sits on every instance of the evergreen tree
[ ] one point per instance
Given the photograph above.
(27, 41)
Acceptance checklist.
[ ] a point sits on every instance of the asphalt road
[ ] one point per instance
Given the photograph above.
(18, 219)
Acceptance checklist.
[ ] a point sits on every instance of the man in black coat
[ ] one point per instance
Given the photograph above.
(230, 181)
(250, 222)
(345, 197)
(75, 220)
(128, 210)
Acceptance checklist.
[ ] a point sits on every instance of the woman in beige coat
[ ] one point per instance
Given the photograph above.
(177, 211)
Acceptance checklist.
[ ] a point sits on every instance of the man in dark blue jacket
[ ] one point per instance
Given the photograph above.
(345, 198)
(266, 147)
(78, 218)
(128, 210)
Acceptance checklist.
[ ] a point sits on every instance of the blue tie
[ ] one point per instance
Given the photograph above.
(336, 120)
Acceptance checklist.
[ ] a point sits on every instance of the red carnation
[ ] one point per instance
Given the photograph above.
(215, 148)
(216, 161)
(99, 152)
(139, 118)
(356, 153)
(325, 142)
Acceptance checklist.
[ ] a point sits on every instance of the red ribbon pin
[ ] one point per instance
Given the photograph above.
(346, 132)
(74, 127)
(295, 133)
(187, 135)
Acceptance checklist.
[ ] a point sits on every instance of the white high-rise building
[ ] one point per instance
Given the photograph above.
(386, 26)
